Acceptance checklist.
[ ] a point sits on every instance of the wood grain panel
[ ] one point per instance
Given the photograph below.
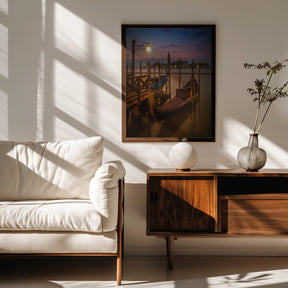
(254, 215)
(179, 204)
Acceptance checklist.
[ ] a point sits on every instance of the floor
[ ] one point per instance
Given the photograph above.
(144, 271)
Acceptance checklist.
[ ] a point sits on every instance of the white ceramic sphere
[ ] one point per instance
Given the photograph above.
(183, 156)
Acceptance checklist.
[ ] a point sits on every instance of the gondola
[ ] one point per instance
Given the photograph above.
(182, 99)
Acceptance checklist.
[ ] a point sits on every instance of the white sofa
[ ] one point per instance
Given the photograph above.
(59, 199)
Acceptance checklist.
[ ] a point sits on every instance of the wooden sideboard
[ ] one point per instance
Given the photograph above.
(216, 203)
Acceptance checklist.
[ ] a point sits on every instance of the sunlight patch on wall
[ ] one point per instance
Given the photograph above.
(70, 92)
(79, 99)
(40, 97)
(4, 74)
(236, 136)
(277, 157)
(4, 6)
(3, 115)
(3, 51)
(104, 87)
(105, 112)
(41, 78)
(65, 131)
(43, 20)
(70, 33)
(106, 55)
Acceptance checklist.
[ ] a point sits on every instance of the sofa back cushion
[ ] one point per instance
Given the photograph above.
(59, 170)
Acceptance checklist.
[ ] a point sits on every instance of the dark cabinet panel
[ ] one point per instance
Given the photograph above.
(179, 204)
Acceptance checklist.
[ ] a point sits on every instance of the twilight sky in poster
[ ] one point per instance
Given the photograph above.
(185, 43)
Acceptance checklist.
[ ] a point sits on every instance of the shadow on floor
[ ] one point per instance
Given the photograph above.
(143, 271)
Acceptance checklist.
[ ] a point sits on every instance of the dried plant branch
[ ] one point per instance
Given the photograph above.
(263, 93)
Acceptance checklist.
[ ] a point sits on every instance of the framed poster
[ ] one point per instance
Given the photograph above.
(168, 83)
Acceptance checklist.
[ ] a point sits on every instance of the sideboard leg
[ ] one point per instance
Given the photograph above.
(170, 250)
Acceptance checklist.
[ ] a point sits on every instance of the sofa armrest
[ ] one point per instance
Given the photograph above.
(103, 192)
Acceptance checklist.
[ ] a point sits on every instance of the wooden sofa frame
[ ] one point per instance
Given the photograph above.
(120, 234)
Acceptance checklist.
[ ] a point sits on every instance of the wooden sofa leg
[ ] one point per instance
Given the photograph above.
(119, 270)
(120, 228)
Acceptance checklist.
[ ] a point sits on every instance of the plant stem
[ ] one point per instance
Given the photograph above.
(259, 126)
(257, 116)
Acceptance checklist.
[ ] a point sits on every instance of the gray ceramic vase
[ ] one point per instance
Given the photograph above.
(251, 157)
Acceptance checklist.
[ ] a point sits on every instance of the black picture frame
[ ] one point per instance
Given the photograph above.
(168, 83)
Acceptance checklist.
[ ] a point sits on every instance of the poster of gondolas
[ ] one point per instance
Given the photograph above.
(168, 83)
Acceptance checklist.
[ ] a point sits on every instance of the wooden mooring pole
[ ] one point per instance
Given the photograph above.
(166, 75)
(151, 95)
(169, 71)
(192, 81)
(149, 76)
(154, 76)
(140, 75)
(159, 68)
(133, 56)
(180, 73)
(199, 81)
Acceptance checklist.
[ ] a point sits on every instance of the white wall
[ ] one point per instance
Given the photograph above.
(60, 78)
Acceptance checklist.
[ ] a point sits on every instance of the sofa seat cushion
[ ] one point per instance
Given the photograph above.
(50, 215)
